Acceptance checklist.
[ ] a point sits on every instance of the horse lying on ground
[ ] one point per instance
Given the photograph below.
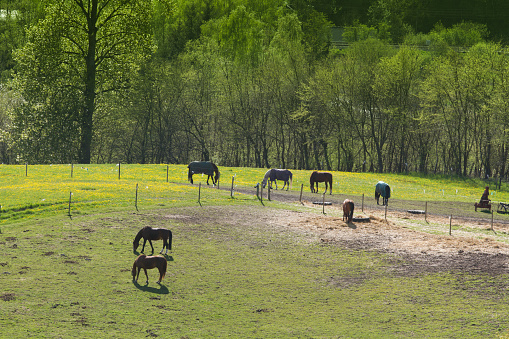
(205, 167)
(273, 175)
(149, 233)
(147, 263)
(317, 177)
(382, 189)
(348, 207)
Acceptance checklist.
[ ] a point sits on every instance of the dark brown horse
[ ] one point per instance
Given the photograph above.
(317, 177)
(149, 233)
(147, 263)
(348, 207)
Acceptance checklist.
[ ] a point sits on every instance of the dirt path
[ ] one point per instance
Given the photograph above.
(429, 250)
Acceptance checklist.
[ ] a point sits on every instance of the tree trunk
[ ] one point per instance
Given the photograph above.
(90, 82)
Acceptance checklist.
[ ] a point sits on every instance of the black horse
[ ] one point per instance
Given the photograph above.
(382, 189)
(205, 167)
(149, 233)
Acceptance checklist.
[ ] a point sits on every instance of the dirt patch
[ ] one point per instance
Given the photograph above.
(419, 251)
(414, 251)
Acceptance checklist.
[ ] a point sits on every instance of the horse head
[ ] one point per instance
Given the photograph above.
(266, 178)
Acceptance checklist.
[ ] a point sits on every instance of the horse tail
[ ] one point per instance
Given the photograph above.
(291, 178)
(350, 217)
(170, 236)
(163, 268)
(190, 175)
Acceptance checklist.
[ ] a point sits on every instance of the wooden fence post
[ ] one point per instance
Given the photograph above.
(119, 170)
(167, 170)
(323, 203)
(426, 212)
(450, 224)
(301, 188)
(70, 197)
(385, 212)
(268, 191)
(136, 199)
(26, 169)
(72, 169)
(492, 223)
(362, 206)
(231, 190)
(199, 193)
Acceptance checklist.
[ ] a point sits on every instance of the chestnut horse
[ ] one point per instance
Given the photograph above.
(348, 207)
(317, 177)
(149, 262)
(149, 233)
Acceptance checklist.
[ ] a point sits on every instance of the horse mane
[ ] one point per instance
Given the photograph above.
(266, 177)
(139, 235)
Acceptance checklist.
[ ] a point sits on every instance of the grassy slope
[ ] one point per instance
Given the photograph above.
(71, 277)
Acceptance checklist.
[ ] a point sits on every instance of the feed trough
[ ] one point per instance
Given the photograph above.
(361, 219)
(416, 211)
(326, 203)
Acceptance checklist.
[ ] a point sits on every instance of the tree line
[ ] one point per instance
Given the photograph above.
(248, 83)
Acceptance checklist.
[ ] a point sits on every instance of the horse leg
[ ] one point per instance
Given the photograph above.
(143, 248)
(160, 275)
(138, 275)
(165, 244)
(146, 273)
(150, 242)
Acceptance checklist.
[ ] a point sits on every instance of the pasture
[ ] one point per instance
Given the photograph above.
(240, 267)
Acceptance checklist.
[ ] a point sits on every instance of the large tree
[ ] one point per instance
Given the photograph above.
(82, 48)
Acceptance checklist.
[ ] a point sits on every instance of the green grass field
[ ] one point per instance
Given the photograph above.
(45, 189)
(230, 274)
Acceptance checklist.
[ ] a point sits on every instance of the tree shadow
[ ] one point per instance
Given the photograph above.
(145, 288)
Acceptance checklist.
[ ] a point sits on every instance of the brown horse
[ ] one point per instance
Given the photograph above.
(348, 208)
(317, 177)
(149, 233)
(149, 262)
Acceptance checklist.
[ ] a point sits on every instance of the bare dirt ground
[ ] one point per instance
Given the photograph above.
(472, 247)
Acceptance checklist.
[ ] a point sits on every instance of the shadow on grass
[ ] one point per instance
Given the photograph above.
(157, 290)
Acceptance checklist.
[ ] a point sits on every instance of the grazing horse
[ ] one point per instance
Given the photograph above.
(273, 175)
(149, 262)
(205, 167)
(348, 207)
(382, 189)
(149, 233)
(317, 177)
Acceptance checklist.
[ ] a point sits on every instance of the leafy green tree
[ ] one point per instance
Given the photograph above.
(81, 49)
